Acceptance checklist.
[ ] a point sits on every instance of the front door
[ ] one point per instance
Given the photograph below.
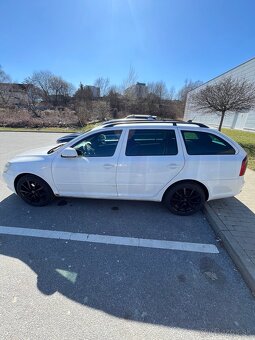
(93, 172)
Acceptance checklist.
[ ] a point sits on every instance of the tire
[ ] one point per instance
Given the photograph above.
(34, 190)
(185, 198)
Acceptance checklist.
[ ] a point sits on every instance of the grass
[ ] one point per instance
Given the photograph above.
(247, 141)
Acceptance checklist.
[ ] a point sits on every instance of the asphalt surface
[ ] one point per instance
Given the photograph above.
(56, 289)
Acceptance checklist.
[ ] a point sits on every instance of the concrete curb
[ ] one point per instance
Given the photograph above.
(238, 255)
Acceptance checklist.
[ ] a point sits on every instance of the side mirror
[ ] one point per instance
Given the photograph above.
(69, 153)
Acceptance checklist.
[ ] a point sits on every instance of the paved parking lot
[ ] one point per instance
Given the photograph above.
(65, 288)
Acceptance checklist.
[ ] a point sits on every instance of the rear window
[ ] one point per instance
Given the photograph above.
(204, 143)
(151, 143)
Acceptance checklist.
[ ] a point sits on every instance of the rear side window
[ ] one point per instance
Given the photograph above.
(151, 143)
(204, 143)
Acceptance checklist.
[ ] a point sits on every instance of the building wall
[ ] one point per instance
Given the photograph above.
(139, 90)
(13, 94)
(94, 90)
(243, 121)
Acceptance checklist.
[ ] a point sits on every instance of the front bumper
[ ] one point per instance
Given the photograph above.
(9, 180)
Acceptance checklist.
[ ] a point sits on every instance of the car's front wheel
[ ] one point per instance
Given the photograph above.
(34, 190)
(185, 198)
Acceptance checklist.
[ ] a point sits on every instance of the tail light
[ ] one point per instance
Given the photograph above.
(243, 166)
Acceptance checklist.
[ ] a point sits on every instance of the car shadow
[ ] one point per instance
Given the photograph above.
(174, 289)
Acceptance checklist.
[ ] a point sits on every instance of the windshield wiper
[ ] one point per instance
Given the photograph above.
(55, 148)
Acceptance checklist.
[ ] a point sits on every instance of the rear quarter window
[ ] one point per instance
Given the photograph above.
(204, 143)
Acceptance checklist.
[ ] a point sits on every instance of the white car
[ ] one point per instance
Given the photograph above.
(181, 164)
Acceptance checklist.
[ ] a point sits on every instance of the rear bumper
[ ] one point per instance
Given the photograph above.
(225, 188)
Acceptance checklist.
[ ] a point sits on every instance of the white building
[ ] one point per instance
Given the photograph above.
(139, 90)
(243, 121)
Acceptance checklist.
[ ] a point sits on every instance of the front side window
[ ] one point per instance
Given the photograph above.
(101, 144)
(151, 142)
(204, 143)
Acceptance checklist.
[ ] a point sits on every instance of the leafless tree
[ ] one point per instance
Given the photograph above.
(114, 101)
(171, 93)
(226, 95)
(130, 80)
(103, 84)
(42, 81)
(5, 88)
(61, 90)
(101, 110)
(83, 113)
(183, 92)
(83, 104)
(4, 77)
(188, 86)
(159, 89)
(83, 94)
(5, 94)
(32, 98)
(54, 89)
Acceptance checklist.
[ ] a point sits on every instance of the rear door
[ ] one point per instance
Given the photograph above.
(150, 158)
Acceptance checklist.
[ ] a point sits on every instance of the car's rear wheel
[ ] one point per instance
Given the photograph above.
(34, 190)
(185, 198)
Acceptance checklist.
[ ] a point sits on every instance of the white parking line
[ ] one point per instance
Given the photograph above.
(107, 239)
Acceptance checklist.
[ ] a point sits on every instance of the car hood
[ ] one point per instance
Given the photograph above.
(33, 155)
(37, 152)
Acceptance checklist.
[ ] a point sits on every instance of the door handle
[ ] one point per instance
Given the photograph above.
(108, 166)
(172, 166)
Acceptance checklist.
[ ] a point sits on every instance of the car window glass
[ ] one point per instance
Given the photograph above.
(204, 143)
(101, 144)
(151, 142)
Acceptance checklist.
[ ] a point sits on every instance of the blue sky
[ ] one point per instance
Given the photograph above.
(169, 40)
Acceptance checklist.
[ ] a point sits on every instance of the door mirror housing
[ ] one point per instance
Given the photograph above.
(69, 153)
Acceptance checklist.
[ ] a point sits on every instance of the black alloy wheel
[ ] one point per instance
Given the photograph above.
(34, 190)
(185, 198)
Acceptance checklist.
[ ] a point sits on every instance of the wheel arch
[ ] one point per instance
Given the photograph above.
(25, 174)
(206, 191)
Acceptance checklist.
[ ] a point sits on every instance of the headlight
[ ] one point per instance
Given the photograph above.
(7, 166)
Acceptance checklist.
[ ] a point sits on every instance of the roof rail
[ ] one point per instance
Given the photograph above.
(136, 120)
(199, 124)
(114, 122)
